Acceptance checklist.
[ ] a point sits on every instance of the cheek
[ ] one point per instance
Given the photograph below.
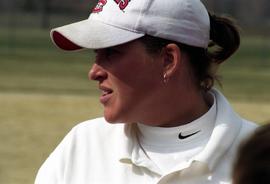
(136, 88)
(137, 81)
(139, 74)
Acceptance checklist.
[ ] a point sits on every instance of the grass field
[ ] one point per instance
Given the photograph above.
(44, 92)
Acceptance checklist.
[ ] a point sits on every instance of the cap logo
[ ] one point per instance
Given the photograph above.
(99, 6)
(122, 3)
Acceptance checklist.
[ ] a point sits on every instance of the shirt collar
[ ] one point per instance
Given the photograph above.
(130, 151)
(160, 138)
(127, 142)
(227, 127)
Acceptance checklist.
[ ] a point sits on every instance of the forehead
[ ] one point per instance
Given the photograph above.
(135, 44)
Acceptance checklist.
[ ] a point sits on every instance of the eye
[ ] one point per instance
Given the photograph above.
(106, 55)
(110, 52)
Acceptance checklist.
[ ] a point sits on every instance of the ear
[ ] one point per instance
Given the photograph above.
(171, 59)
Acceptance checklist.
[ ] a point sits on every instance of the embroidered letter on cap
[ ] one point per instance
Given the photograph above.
(122, 3)
(99, 6)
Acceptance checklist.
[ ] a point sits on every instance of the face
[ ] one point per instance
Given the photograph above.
(129, 80)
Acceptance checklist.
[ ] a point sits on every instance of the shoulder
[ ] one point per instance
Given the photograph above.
(89, 135)
(247, 128)
(249, 125)
(88, 141)
(95, 128)
(97, 125)
(237, 127)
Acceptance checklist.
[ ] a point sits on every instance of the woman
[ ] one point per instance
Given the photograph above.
(163, 120)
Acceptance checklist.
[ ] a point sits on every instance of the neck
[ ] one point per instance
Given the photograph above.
(180, 110)
(195, 106)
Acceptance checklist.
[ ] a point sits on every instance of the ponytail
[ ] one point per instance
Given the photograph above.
(224, 38)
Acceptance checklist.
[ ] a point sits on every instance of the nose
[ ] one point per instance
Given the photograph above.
(97, 73)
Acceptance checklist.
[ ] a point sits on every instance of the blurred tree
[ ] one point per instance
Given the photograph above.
(251, 14)
(224, 6)
(29, 6)
(254, 13)
(45, 18)
(3, 5)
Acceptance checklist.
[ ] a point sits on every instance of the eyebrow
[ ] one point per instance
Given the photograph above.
(113, 47)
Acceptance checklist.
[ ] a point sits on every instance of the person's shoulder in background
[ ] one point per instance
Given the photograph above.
(252, 164)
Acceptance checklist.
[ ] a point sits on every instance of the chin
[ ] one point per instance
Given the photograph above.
(116, 115)
(109, 115)
(110, 118)
(115, 119)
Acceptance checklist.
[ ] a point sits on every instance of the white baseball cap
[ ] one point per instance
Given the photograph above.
(114, 22)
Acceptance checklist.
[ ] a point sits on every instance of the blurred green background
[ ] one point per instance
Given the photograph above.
(45, 91)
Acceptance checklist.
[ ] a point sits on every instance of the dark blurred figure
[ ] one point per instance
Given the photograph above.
(252, 165)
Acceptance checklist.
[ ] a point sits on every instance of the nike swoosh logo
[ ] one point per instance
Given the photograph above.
(180, 136)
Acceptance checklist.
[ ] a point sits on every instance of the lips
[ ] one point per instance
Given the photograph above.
(106, 94)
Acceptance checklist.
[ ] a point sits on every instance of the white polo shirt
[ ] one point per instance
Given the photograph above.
(166, 147)
(96, 152)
